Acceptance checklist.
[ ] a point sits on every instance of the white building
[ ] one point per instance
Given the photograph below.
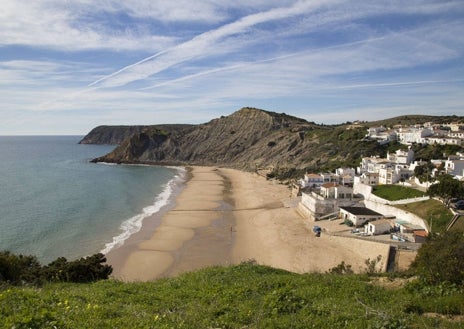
(311, 180)
(445, 140)
(401, 157)
(359, 215)
(373, 164)
(381, 135)
(455, 166)
(336, 191)
(394, 174)
(380, 226)
(368, 178)
(413, 135)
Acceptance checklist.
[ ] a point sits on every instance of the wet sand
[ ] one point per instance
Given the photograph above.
(225, 216)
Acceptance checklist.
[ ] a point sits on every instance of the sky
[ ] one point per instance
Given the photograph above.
(67, 66)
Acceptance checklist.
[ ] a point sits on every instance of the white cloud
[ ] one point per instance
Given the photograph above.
(214, 56)
(201, 45)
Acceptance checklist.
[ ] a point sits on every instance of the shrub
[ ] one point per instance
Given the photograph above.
(16, 269)
(21, 269)
(441, 259)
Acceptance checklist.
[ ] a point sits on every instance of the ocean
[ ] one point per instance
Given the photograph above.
(54, 202)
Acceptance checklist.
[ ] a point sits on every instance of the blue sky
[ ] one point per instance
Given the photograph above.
(68, 66)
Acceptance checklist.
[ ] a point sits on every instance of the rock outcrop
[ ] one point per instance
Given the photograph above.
(247, 139)
(115, 135)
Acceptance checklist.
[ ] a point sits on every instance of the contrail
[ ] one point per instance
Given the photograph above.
(196, 46)
(128, 67)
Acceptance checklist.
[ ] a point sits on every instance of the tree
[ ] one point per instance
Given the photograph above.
(424, 172)
(441, 259)
(447, 188)
(18, 269)
(86, 269)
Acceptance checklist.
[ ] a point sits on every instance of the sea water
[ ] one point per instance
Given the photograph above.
(54, 202)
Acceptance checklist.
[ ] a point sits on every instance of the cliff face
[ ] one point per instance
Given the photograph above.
(246, 139)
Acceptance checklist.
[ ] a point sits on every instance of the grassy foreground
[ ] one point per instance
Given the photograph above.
(243, 296)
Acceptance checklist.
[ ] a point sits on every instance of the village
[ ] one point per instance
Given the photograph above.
(343, 202)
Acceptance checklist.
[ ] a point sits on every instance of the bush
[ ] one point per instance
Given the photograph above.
(87, 269)
(16, 269)
(19, 269)
(441, 259)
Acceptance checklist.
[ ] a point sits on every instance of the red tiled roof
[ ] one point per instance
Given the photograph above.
(327, 185)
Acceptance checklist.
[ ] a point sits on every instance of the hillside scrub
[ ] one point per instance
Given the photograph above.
(26, 270)
(441, 259)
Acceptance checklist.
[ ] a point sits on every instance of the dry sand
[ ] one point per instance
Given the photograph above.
(225, 216)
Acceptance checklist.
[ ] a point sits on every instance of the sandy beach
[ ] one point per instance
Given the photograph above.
(225, 216)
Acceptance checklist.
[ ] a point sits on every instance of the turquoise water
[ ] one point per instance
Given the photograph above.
(54, 202)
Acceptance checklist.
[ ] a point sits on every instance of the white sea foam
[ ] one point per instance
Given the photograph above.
(107, 163)
(134, 224)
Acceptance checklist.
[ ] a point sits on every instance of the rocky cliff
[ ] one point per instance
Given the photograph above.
(115, 135)
(248, 139)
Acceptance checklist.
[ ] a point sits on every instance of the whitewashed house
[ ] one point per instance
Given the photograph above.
(359, 215)
(455, 166)
(394, 174)
(368, 178)
(412, 135)
(336, 191)
(381, 135)
(311, 180)
(401, 157)
(377, 227)
(443, 140)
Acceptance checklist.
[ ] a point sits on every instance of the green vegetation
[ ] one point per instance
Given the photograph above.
(428, 152)
(424, 173)
(441, 259)
(447, 188)
(243, 296)
(433, 211)
(396, 192)
(20, 269)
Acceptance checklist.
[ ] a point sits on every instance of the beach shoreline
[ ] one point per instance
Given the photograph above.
(225, 216)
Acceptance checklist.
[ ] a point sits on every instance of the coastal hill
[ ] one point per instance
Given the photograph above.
(248, 139)
(115, 135)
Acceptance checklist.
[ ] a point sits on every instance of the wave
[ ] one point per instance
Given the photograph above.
(134, 224)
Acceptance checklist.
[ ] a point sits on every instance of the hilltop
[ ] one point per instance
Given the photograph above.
(249, 139)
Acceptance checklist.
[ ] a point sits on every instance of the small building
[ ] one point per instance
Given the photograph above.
(455, 166)
(377, 227)
(420, 236)
(406, 227)
(359, 215)
(336, 191)
(367, 178)
(311, 180)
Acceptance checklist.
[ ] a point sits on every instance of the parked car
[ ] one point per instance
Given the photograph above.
(459, 205)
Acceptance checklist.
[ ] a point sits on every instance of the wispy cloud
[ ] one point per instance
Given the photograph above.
(200, 45)
(144, 59)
